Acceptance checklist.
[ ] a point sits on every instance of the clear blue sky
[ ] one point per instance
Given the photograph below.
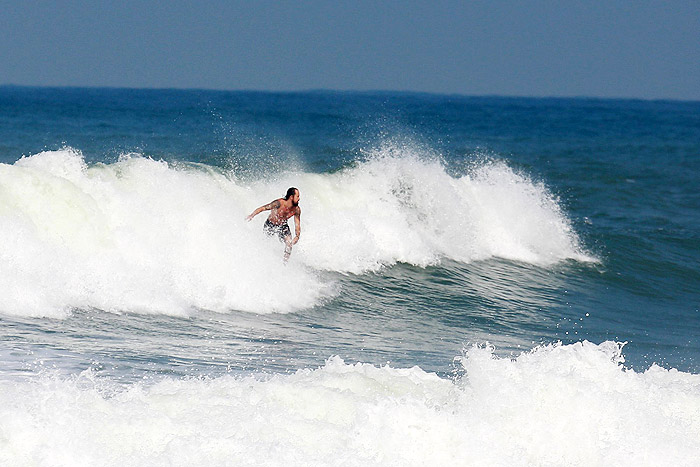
(644, 49)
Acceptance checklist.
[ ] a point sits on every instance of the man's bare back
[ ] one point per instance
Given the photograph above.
(280, 211)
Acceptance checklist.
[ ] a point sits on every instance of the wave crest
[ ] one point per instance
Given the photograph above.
(146, 236)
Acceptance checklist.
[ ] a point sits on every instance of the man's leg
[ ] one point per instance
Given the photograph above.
(287, 247)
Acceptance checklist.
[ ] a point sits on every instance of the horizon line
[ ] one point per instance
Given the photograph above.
(352, 91)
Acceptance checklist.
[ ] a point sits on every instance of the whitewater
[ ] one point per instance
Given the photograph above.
(555, 405)
(146, 236)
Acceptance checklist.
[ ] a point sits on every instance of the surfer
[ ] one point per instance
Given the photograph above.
(276, 224)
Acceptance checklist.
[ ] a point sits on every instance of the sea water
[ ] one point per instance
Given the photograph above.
(479, 281)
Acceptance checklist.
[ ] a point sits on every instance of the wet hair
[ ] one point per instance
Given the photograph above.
(290, 193)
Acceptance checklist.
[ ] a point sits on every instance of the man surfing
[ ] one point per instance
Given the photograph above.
(276, 224)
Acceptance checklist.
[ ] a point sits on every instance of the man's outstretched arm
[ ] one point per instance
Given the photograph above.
(266, 207)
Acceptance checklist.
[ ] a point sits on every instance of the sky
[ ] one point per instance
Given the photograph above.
(628, 49)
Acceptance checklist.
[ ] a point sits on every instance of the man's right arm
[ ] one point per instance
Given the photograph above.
(266, 207)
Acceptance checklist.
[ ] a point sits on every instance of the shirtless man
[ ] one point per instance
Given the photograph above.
(276, 224)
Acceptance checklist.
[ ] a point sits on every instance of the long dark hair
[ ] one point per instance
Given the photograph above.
(290, 193)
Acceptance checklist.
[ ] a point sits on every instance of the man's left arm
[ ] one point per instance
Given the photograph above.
(297, 225)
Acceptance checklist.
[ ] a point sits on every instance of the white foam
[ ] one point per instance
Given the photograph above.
(137, 235)
(556, 405)
(145, 236)
(399, 207)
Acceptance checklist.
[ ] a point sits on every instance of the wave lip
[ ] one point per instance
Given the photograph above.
(555, 405)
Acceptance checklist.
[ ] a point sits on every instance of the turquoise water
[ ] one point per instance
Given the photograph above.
(523, 241)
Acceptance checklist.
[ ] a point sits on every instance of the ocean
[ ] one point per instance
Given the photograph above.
(478, 281)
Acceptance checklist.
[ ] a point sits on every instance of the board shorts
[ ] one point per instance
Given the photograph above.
(281, 230)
